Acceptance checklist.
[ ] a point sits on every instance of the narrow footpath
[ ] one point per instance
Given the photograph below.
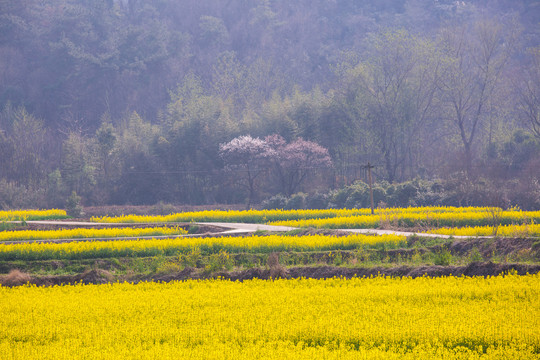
(232, 229)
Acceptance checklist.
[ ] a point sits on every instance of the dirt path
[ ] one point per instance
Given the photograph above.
(241, 227)
(217, 229)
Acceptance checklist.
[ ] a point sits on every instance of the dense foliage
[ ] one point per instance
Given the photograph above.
(128, 101)
(452, 191)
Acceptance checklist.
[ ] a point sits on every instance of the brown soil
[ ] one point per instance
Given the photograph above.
(489, 246)
(98, 276)
(326, 272)
(95, 276)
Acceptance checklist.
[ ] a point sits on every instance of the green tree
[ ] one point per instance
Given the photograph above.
(79, 164)
(141, 178)
(106, 141)
(24, 142)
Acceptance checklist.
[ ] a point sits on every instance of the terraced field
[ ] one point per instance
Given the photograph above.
(173, 287)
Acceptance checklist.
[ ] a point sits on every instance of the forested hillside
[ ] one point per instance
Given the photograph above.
(138, 101)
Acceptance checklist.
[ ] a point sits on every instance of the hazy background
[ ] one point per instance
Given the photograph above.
(127, 102)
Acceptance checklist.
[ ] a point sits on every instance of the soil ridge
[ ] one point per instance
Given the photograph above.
(98, 276)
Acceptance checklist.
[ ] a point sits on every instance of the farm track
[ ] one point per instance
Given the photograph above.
(228, 229)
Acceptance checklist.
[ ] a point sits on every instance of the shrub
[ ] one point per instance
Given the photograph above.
(13, 196)
(475, 256)
(297, 201)
(168, 267)
(162, 208)
(317, 201)
(219, 261)
(275, 202)
(73, 205)
(443, 257)
(192, 259)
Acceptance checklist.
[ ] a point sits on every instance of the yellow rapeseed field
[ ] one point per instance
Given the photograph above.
(368, 318)
(153, 247)
(432, 216)
(248, 216)
(503, 230)
(18, 215)
(263, 216)
(88, 233)
(413, 219)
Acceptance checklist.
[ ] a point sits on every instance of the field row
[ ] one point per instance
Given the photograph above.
(347, 218)
(414, 217)
(169, 247)
(424, 220)
(373, 318)
(81, 233)
(23, 215)
(523, 230)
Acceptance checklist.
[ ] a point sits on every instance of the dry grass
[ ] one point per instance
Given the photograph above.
(15, 278)
(276, 269)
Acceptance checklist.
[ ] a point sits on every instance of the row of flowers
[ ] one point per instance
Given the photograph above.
(359, 318)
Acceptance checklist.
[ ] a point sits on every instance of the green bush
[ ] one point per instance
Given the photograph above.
(219, 261)
(297, 201)
(475, 256)
(317, 201)
(275, 202)
(73, 205)
(442, 257)
(192, 259)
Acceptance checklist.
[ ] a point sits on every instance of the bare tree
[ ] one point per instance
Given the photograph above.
(397, 87)
(476, 57)
(529, 92)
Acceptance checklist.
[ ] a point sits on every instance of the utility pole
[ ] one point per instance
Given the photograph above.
(369, 167)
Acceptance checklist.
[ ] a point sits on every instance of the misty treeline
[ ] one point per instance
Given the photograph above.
(134, 101)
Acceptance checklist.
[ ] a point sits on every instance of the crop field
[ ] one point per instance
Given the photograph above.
(424, 217)
(451, 318)
(168, 247)
(80, 233)
(460, 214)
(21, 215)
(311, 293)
(531, 229)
